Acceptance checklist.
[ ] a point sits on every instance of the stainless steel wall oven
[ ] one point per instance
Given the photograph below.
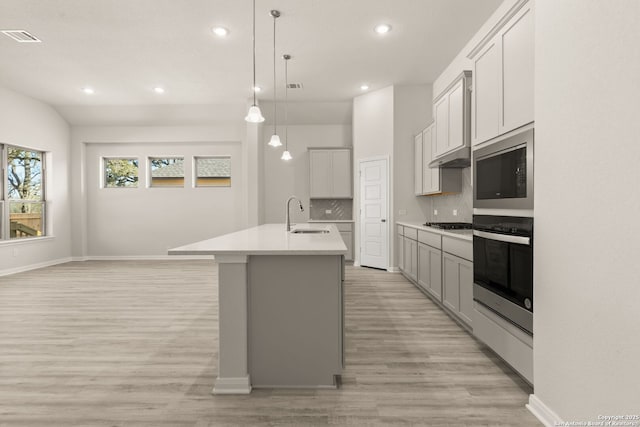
(503, 267)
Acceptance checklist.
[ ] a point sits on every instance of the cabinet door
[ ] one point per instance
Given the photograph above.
(486, 94)
(413, 273)
(450, 282)
(517, 71)
(430, 176)
(456, 116)
(424, 267)
(435, 273)
(341, 173)
(465, 271)
(347, 237)
(417, 157)
(400, 246)
(441, 114)
(319, 173)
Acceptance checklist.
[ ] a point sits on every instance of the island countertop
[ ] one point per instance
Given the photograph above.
(269, 239)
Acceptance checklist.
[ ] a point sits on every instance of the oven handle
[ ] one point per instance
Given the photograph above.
(521, 240)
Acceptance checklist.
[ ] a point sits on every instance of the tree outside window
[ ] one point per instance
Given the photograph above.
(25, 192)
(119, 173)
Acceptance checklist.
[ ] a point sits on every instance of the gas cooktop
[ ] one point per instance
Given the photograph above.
(449, 225)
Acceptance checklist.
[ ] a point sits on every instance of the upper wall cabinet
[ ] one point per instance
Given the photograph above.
(432, 181)
(503, 76)
(330, 174)
(451, 112)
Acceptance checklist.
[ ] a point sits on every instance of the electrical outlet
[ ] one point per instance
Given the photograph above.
(455, 212)
(435, 212)
(402, 212)
(328, 211)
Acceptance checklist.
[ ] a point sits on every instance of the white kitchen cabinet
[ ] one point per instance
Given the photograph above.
(452, 113)
(503, 76)
(434, 180)
(430, 270)
(400, 247)
(410, 258)
(457, 278)
(330, 173)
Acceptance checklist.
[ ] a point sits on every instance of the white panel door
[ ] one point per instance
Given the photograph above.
(374, 231)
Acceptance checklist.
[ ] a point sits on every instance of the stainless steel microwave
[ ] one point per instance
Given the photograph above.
(503, 173)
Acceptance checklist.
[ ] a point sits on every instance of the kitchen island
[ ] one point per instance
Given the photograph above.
(280, 306)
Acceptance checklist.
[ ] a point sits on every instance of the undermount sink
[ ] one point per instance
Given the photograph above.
(309, 231)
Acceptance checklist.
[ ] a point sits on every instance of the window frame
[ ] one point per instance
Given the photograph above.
(103, 172)
(5, 200)
(215, 156)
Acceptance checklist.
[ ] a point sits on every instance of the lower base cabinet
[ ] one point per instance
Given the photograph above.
(410, 257)
(430, 270)
(457, 280)
(346, 232)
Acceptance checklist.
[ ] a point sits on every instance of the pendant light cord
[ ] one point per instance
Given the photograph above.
(286, 104)
(275, 107)
(254, 52)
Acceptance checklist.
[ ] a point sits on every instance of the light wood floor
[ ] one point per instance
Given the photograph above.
(135, 344)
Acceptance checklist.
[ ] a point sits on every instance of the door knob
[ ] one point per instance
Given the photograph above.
(383, 220)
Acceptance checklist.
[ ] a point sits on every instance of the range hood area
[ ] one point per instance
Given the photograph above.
(458, 158)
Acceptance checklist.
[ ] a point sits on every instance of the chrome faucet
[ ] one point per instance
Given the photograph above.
(287, 218)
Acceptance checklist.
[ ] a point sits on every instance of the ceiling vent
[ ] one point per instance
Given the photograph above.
(294, 86)
(21, 36)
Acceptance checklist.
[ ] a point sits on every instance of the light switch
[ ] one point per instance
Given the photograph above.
(455, 212)
(435, 211)
(328, 211)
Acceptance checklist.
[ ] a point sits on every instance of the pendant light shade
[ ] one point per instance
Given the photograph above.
(275, 139)
(254, 115)
(286, 155)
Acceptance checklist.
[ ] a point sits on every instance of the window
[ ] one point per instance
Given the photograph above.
(166, 171)
(213, 171)
(120, 172)
(24, 192)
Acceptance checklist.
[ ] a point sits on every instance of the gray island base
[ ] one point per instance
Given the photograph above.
(281, 314)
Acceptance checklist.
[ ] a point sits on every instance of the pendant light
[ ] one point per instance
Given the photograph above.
(254, 115)
(275, 139)
(286, 155)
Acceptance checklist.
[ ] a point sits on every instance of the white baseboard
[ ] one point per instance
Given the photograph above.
(30, 267)
(542, 412)
(236, 385)
(146, 257)
(393, 270)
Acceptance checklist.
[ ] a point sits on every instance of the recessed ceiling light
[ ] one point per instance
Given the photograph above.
(88, 90)
(158, 89)
(382, 28)
(257, 88)
(220, 31)
(364, 87)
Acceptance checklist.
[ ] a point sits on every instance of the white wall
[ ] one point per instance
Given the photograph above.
(587, 234)
(32, 124)
(151, 219)
(412, 113)
(283, 179)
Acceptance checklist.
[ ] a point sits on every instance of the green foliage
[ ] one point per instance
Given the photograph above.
(121, 172)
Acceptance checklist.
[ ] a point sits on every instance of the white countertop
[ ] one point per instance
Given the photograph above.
(269, 239)
(458, 234)
(331, 220)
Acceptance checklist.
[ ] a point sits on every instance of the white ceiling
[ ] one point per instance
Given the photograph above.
(123, 48)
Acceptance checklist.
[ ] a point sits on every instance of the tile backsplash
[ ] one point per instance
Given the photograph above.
(463, 202)
(331, 209)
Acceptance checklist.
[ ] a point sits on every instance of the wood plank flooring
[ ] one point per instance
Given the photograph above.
(135, 344)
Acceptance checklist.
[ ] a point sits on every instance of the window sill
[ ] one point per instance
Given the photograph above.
(26, 240)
